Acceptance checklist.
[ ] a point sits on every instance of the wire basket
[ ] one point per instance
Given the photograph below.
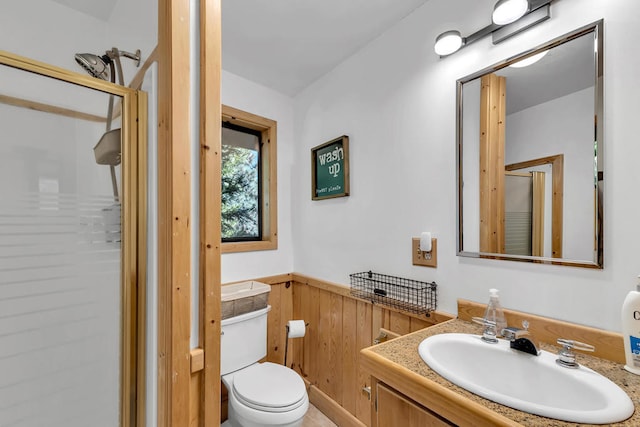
(405, 294)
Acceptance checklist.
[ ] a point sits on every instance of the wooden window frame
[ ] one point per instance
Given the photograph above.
(268, 130)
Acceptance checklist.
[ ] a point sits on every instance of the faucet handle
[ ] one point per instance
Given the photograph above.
(575, 344)
(490, 329)
(482, 321)
(566, 357)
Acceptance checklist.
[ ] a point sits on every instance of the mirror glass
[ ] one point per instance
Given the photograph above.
(530, 174)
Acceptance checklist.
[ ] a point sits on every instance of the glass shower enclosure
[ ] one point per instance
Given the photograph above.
(71, 284)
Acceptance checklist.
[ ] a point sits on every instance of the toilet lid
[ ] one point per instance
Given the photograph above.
(269, 387)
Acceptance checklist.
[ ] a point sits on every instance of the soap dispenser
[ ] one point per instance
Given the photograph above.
(494, 312)
(631, 330)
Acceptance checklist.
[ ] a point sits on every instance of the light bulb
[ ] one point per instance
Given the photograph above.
(448, 42)
(508, 11)
(530, 60)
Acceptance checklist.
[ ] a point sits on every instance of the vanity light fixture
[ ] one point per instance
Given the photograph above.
(448, 42)
(509, 18)
(508, 11)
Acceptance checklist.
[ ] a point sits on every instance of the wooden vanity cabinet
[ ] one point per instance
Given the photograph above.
(392, 409)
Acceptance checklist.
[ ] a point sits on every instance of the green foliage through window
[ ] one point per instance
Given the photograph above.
(241, 204)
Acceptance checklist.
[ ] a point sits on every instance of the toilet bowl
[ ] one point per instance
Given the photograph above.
(266, 394)
(260, 394)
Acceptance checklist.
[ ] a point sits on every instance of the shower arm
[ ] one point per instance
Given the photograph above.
(115, 54)
(134, 56)
(112, 168)
(111, 98)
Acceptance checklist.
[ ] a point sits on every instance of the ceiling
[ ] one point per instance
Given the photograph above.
(288, 44)
(100, 9)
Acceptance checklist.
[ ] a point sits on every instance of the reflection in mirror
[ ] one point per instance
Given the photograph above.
(529, 151)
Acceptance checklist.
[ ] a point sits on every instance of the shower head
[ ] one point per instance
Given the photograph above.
(97, 66)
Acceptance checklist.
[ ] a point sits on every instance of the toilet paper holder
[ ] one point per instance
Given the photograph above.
(292, 324)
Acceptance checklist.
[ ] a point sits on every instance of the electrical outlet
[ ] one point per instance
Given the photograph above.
(425, 259)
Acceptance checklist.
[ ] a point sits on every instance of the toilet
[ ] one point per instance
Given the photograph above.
(260, 394)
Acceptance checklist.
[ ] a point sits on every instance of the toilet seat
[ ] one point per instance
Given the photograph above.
(269, 387)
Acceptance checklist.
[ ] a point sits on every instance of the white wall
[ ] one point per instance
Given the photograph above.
(471, 166)
(396, 100)
(245, 95)
(45, 35)
(49, 32)
(133, 24)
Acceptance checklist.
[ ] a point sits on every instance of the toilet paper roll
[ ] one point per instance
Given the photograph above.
(295, 328)
(425, 241)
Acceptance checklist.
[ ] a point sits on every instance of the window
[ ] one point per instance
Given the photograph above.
(241, 198)
(249, 202)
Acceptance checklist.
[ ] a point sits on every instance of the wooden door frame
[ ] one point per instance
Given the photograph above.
(187, 378)
(210, 208)
(557, 197)
(174, 201)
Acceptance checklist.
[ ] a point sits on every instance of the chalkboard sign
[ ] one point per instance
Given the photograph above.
(330, 169)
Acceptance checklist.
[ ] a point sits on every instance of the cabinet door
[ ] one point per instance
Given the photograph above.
(395, 410)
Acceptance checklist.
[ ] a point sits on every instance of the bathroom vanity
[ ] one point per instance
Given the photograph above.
(405, 391)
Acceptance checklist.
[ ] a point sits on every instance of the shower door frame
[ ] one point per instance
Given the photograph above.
(133, 220)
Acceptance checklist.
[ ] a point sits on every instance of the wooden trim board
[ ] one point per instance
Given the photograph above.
(46, 108)
(174, 216)
(330, 408)
(210, 202)
(491, 179)
(434, 318)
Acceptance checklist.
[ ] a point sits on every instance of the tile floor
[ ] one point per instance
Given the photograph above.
(315, 418)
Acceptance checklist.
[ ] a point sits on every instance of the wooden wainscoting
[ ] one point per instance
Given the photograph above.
(338, 327)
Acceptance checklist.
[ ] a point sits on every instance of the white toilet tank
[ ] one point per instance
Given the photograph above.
(243, 341)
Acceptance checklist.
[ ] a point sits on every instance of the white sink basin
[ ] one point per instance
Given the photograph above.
(534, 384)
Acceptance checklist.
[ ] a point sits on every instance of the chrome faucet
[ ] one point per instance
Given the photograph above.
(521, 339)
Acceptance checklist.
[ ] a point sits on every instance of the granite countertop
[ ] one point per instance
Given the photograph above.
(404, 352)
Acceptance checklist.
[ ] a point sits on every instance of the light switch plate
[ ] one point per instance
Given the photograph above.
(422, 258)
